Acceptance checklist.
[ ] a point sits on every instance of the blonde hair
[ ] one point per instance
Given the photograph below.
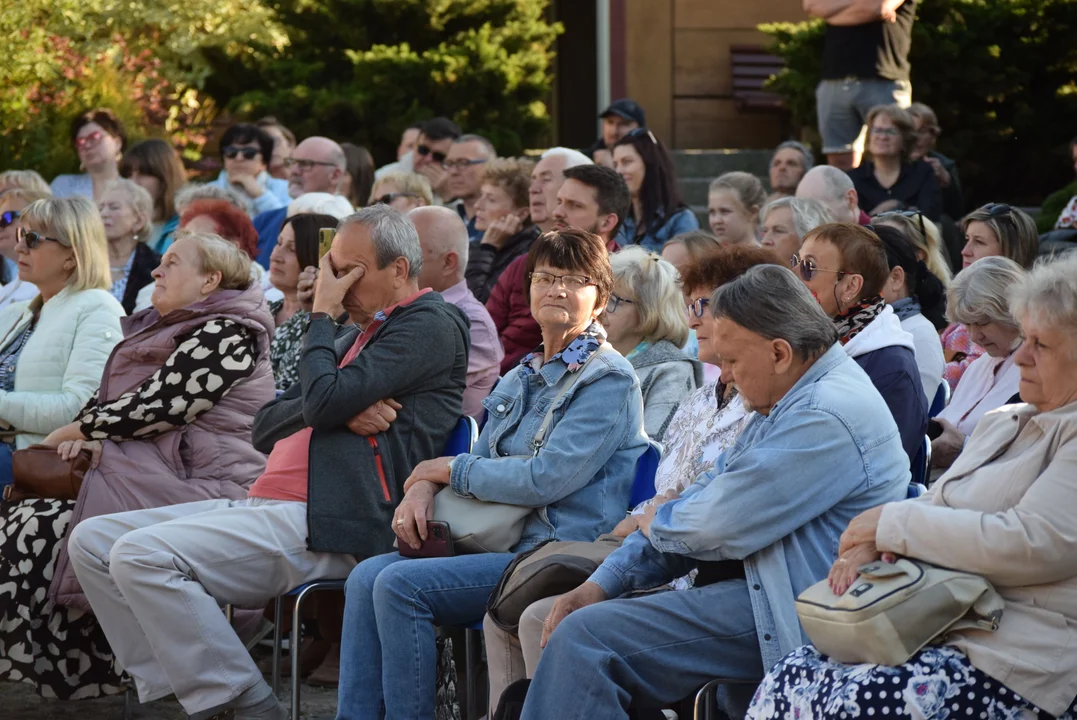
(413, 183)
(930, 245)
(191, 192)
(697, 243)
(513, 175)
(25, 180)
(76, 222)
(218, 255)
(657, 294)
(27, 196)
(747, 188)
(981, 292)
(138, 198)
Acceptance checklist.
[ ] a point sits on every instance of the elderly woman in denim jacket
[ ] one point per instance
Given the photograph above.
(1004, 511)
(578, 482)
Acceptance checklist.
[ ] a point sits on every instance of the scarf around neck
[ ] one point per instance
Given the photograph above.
(851, 322)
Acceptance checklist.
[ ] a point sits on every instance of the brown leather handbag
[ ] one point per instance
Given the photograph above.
(40, 472)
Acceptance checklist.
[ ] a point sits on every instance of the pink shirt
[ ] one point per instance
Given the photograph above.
(484, 358)
(285, 476)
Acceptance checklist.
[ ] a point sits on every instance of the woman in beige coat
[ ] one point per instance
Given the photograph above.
(1006, 510)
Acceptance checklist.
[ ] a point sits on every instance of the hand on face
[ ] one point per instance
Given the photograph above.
(329, 290)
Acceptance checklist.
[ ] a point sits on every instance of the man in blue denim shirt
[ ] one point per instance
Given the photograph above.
(765, 525)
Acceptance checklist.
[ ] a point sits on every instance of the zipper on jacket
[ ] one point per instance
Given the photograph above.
(381, 468)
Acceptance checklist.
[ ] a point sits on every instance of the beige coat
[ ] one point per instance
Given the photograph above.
(1007, 510)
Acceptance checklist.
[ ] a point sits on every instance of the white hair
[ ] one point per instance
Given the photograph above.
(1048, 292)
(321, 203)
(981, 292)
(808, 214)
(572, 157)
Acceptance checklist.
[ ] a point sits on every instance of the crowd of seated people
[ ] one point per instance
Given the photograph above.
(261, 411)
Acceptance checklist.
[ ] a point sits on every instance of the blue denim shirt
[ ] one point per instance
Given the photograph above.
(581, 478)
(681, 221)
(779, 499)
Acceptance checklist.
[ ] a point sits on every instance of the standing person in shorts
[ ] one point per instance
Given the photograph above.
(865, 63)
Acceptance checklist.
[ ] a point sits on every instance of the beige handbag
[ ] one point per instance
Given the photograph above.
(893, 610)
(477, 526)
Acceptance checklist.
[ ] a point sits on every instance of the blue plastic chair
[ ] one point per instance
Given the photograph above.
(921, 464)
(646, 468)
(461, 440)
(942, 399)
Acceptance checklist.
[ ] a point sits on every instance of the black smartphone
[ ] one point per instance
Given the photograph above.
(438, 542)
(934, 428)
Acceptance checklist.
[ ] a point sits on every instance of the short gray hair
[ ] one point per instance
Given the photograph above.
(837, 182)
(808, 213)
(807, 159)
(770, 301)
(491, 151)
(1049, 292)
(138, 198)
(981, 292)
(655, 288)
(202, 191)
(393, 236)
(573, 158)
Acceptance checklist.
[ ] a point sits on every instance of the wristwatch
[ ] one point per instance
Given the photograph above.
(320, 315)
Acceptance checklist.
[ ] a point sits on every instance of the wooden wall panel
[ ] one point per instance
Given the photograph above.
(729, 14)
(649, 71)
(716, 123)
(701, 60)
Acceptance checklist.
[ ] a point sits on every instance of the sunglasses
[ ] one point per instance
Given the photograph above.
(697, 306)
(388, 198)
(640, 131)
(33, 239)
(807, 268)
(461, 164)
(909, 214)
(424, 150)
(249, 153)
(7, 218)
(89, 140)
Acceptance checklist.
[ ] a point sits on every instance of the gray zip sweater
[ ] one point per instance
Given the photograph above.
(666, 376)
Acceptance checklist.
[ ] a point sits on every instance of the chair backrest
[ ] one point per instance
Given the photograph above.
(915, 491)
(942, 399)
(463, 437)
(646, 467)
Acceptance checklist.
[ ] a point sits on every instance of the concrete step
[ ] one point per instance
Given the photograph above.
(710, 164)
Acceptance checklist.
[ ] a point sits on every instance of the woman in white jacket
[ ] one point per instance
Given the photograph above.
(53, 348)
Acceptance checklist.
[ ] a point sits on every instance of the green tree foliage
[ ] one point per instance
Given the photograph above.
(144, 59)
(1000, 74)
(362, 70)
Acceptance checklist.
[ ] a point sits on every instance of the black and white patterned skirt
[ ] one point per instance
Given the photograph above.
(61, 651)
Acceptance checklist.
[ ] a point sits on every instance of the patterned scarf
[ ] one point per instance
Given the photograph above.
(575, 353)
(851, 322)
(906, 308)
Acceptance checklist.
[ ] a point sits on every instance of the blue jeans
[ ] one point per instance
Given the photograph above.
(388, 657)
(648, 651)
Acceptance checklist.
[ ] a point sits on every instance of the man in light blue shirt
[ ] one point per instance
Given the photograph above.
(760, 528)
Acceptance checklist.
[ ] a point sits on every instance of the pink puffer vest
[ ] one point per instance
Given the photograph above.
(209, 458)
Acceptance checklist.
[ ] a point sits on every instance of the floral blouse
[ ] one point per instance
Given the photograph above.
(575, 353)
(959, 350)
(205, 365)
(287, 346)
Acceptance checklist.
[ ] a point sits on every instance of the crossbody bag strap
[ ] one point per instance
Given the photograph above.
(566, 385)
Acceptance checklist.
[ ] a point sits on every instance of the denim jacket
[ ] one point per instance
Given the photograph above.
(681, 221)
(779, 499)
(580, 480)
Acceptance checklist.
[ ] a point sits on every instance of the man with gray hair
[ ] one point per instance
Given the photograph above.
(762, 526)
(546, 179)
(445, 244)
(156, 579)
(834, 188)
(466, 164)
(787, 167)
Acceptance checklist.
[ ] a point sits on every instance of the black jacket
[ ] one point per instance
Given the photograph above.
(485, 263)
(417, 357)
(916, 187)
(146, 261)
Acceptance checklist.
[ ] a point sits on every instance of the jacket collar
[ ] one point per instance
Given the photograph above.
(884, 331)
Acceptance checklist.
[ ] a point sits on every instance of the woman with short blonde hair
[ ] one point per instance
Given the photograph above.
(26, 180)
(645, 321)
(402, 191)
(218, 255)
(127, 213)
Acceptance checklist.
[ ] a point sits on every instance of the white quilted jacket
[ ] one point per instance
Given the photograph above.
(61, 364)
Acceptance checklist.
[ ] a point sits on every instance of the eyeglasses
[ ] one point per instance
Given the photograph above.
(697, 306)
(249, 153)
(461, 163)
(303, 165)
(33, 239)
(545, 280)
(89, 139)
(909, 214)
(388, 198)
(808, 268)
(424, 150)
(615, 302)
(7, 218)
(885, 132)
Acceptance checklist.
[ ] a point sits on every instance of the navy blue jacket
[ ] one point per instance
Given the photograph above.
(894, 374)
(268, 226)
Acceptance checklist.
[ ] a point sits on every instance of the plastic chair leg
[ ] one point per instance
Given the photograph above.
(278, 621)
(294, 642)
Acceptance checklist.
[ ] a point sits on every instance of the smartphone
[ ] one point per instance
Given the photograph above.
(325, 241)
(934, 428)
(438, 542)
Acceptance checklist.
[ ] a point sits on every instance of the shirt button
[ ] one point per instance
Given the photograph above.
(766, 637)
(501, 408)
(755, 587)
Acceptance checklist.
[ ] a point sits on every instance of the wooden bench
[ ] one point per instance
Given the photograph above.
(752, 67)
